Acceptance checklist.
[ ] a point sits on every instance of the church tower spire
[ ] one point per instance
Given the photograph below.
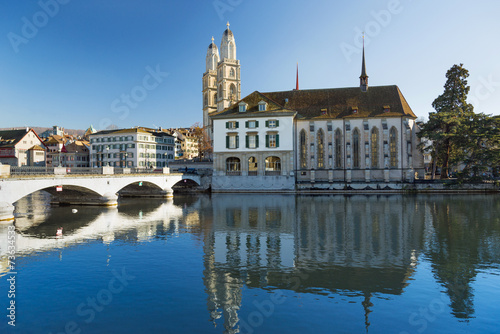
(363, 79)
(228, 72)
(210, 83)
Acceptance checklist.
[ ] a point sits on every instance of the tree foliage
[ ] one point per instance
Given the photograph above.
(456, 135)
(203, 139)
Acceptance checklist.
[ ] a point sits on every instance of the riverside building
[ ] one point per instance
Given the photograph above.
(359, 137)
(135, 147)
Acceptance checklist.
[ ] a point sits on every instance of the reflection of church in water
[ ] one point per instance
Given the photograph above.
(357, 245)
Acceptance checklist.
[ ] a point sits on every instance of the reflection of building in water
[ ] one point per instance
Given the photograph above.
(247, 238)
(357, 231)
(361, 244)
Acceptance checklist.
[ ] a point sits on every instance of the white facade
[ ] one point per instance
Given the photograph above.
(245, 128)
(131, 148)
(259, 149)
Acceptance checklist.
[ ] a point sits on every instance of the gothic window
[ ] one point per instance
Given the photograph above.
(321, 151)
(355, 148)
(232, 92)
(303, 150)
(338, 149)
(374, 147)
(206, 100)
(393, 149)
(232, 73)
(220, 91)
(215, 98)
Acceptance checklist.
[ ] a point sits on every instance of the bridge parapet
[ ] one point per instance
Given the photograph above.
(9, 171)
(4, 170)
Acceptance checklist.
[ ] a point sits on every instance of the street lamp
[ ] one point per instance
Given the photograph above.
(107, 155)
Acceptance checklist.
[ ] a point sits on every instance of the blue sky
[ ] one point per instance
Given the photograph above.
(71, 64)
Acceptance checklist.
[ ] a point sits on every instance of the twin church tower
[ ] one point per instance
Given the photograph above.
(221, 80)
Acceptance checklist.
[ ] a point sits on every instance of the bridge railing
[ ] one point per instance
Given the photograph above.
(29, 170)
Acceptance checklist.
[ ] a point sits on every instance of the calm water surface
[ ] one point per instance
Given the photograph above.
(257, 264)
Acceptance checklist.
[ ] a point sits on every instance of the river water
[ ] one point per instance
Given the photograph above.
(253, 263)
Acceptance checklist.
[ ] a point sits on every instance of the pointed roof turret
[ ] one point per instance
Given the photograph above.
(228, 45)
(212, 56)
(363, 79)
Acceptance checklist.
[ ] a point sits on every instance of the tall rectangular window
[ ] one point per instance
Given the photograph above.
(232, 141)
(252, 141)
(272, 140)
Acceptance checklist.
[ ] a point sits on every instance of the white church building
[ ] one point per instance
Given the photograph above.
(315, 139)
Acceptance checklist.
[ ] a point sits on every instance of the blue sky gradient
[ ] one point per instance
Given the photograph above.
(83, 58)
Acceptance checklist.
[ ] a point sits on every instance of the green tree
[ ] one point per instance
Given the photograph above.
(480, 144)
(446, 125)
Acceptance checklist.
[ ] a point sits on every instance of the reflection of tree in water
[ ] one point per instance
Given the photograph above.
(466, 228)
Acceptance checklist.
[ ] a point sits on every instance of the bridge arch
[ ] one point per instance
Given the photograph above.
(142, 188)
(58, 189)
(185, 184)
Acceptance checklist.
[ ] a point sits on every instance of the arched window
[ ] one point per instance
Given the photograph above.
(303, 150)
(355, 148)
(232, 73)
(393, 147)
(220, 91)
(233, 166)
(374, 147)
(338, 149)
(252, 166)
(321, 149)
(215, 98)
(206, 100)
(273, 165)
(232, 92)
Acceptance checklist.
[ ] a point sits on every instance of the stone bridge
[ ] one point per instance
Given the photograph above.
(89, 189)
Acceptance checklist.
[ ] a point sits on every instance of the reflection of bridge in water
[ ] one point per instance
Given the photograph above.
(356, 246)
(88, 189)
(36, 231)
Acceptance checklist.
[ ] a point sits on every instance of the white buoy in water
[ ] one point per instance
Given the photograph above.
(74, 210)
